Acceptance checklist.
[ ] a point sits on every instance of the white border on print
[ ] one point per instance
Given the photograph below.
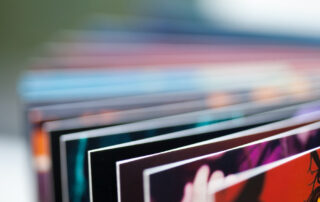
(292, 121)
(143, 125)
(245, 175)
(151, 171)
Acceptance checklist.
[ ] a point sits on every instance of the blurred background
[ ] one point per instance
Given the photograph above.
(27, 25)
(24, 27)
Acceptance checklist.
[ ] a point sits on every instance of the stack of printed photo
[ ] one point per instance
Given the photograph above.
(138, 110)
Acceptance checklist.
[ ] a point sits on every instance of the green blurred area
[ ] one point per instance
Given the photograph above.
(24, 26)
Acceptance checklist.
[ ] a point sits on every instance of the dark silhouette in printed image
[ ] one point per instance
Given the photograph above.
(315, 193)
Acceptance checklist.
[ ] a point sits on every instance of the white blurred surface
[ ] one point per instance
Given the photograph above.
(15, 174)
(293, 17)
